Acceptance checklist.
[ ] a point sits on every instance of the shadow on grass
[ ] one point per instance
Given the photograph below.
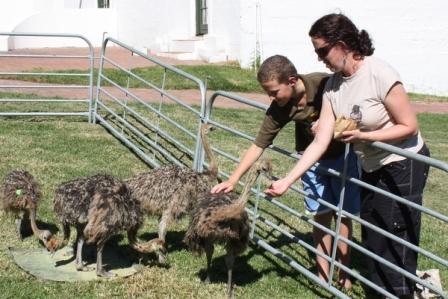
(115, 256)
(277, 266)
(27, 231)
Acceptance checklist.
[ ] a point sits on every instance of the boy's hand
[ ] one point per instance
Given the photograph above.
(314, 127)
(225, 187)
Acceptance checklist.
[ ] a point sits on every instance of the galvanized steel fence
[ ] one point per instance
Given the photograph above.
(258, 217)
(142, 114)
(47, 106)
(142, 121)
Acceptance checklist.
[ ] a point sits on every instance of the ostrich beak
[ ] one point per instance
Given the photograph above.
(52, 246)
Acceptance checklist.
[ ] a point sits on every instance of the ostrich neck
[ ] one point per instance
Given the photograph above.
(36, 231)
(251, 179)
(213, 168)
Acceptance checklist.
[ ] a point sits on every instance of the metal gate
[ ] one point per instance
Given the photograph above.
(264, 218)
(143, 113)
(47, 106)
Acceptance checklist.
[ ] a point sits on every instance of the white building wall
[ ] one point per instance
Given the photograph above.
(224, 26)
(54, 16)
(91, 23)
(80, 3)
(152, 23)
(411, 35)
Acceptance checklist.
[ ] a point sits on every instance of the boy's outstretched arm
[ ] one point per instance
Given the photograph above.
(252, 154)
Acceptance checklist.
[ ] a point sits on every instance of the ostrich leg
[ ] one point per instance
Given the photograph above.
(209, 248)
(99, 262)
(66, 228)
(230, 259)
(19, 227)
(79, 244)
(165, 221)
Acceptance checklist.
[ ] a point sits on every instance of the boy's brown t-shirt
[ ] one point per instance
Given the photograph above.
(277, 117)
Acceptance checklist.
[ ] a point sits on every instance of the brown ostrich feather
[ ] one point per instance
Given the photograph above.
(171, 191)
(100, 206)
(20, 194)
(221, 219)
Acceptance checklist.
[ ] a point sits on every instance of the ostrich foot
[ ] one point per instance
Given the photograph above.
(162, 259)
(207, 279)
(69, 252)
(105, 274)
(84, 268)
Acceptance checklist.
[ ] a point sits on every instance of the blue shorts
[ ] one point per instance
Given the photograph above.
(328, 187)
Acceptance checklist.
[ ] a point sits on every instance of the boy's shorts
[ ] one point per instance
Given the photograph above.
(328, 187)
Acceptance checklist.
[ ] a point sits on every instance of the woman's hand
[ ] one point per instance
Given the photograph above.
(352, 136)
(277, 188)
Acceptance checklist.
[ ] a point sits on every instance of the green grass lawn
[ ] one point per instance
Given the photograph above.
(56, 150)
(218, 77)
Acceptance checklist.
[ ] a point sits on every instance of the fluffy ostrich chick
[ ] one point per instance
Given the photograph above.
(171, 191)
(221, 219)
(21, 194)
(98, 207)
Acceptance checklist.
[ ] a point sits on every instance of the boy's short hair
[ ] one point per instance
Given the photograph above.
(278, 68)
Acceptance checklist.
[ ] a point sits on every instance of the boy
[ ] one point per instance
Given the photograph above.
(299, 98)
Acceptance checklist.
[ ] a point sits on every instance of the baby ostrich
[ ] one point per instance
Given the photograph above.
(171, 191)
(221, 218)
(21, 193)
(100, 206)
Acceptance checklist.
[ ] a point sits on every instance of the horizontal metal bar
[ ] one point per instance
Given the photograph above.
(45, 86)
(291, 262)
(355, 218)
(349, 179)
(414, 156)
(44, 113)
(148, 124)
(326, 257)
(405, 243)
(45, 100)
(159, 62)
(44, 34)
(44, 74)
(163, 116)
(392, 266)
(363, 222)
(354, 245)
(161, 91)
(235, 97)
(45, 56)
(137, 150)
(142, 136)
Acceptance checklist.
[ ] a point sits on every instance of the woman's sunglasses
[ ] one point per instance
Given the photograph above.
(322, 52)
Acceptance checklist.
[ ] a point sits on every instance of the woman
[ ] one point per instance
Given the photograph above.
(370, 91)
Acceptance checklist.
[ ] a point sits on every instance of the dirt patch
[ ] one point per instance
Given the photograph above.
(123, 57)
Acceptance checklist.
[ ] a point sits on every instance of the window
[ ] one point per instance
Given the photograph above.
(103, 3)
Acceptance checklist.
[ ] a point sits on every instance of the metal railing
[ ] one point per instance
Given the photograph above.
(257, 217)
(146, 124)
(143, 114)
(55, 106)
